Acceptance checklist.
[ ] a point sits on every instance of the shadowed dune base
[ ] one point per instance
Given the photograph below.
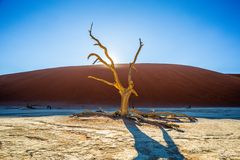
(157, 85)
(60, 137)
(236, 75)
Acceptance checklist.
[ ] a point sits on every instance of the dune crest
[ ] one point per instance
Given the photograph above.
(157, 85)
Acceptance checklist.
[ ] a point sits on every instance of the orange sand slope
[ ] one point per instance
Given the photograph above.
(156, 84)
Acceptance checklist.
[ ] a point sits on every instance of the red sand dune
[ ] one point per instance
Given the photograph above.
(157, 85)
(236, 75)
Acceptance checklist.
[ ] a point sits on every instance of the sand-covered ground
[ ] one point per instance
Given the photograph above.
(61, 137)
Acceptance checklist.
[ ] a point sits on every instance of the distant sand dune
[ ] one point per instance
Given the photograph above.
(236, 75)
(157, 85)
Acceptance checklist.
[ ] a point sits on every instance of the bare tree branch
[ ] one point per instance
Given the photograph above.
(101, 80)
(98, 43)
(98, 58)
(134, 92)
(111, 67)
(138, 51)
(131, 65)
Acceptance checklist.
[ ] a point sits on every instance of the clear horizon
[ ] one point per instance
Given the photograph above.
(54, 33)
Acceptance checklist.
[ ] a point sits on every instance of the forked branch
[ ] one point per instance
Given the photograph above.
(98, 58)
(98, 43)
(118, 84)
(131, 65)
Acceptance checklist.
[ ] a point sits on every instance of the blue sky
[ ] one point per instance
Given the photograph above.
(37, 34)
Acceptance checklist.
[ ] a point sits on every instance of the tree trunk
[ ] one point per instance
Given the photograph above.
(125, 103)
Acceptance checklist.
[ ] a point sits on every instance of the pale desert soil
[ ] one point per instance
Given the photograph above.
(61, 137)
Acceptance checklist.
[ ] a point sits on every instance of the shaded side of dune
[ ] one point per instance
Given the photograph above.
(236, 75)
(157, 85)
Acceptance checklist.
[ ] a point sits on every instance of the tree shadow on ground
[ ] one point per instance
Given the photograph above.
(149, 148)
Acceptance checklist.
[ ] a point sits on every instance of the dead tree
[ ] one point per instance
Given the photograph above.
(125, 92)
(161, 119)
